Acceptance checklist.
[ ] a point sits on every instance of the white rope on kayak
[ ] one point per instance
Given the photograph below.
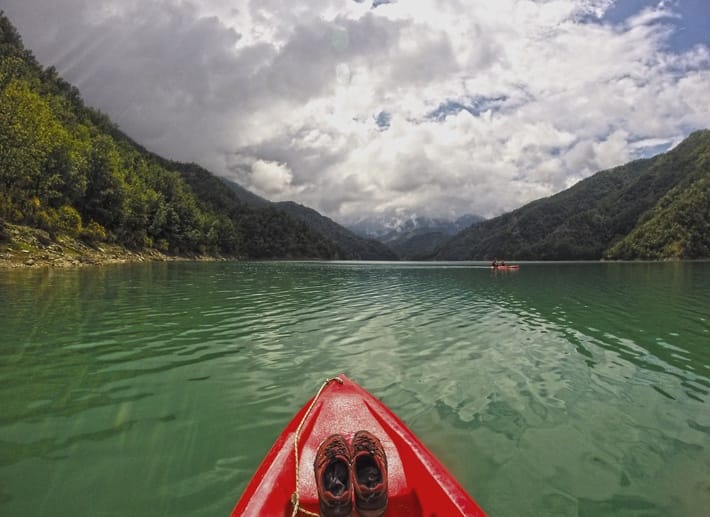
(296, 498)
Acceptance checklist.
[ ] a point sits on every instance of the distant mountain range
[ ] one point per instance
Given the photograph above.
(412, 237)
(388, 227)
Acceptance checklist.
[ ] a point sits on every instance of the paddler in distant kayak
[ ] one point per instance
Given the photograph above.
(494, 263)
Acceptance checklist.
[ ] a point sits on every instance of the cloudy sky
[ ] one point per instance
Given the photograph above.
(440, 108)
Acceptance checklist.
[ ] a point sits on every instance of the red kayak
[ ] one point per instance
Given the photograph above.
(507, 266)
(418, 484)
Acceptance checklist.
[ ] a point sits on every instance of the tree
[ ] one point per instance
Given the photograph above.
(28, 135)
(104, 195)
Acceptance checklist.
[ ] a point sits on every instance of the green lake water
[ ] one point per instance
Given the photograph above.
(156, 389)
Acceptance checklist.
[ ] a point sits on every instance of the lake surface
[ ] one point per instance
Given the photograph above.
(156, 389)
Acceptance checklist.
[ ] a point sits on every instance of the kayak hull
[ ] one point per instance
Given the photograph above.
(418, 483)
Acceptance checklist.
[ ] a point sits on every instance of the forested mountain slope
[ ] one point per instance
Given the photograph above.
(354, 246)
(678, 226)
(67, 169)
(246, 196)
(653, 208)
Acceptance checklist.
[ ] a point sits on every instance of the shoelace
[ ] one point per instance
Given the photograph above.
(332, 451)
(365, 443)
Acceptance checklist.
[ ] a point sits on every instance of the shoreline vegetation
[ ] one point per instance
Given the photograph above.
(26, 247)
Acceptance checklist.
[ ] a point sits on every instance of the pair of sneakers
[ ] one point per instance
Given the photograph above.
(342, 468)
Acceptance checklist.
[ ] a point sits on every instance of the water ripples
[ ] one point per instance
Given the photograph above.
(564, 386)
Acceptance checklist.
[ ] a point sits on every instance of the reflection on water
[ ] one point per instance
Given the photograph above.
(560, 389)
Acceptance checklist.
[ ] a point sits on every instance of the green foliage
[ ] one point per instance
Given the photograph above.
(69, 220)
(93, 233)
(29, 134)
(15, 61)
(678, 227)
(264, 232)
(64, 220)
(104, 195)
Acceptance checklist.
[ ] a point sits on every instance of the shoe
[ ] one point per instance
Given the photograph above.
(369, 466)
(332, 469)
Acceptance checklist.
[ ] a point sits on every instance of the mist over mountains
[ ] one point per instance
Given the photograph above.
(388, 227)
(411, 236)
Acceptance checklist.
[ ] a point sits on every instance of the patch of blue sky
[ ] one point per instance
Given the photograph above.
(475, 106)
(376, 3)
(691, 26)
(650, 147)
(383, 120)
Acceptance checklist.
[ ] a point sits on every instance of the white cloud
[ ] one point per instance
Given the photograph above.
(270, 178)
(490, 104)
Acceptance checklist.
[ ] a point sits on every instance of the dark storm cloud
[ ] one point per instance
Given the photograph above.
(171, 77)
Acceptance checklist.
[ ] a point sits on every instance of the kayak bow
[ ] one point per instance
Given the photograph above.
(418, 483)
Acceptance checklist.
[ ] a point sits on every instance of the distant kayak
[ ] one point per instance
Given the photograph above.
(418, 484)
(507, 266)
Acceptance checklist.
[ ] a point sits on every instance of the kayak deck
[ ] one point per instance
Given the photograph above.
(418, 483)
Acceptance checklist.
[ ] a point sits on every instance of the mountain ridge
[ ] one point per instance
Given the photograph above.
(354, 246)
(586, 221)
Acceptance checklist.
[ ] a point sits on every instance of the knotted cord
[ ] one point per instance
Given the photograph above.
(296, 498)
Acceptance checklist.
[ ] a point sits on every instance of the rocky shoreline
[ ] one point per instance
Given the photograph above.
(25, 247)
